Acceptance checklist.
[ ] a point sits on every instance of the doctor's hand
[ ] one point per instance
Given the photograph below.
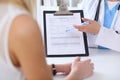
(92, 27)
(80, 69)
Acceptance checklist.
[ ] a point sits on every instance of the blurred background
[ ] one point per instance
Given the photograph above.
(71, 3)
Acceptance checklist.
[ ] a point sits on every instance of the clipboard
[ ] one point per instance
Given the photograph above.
(61, 40)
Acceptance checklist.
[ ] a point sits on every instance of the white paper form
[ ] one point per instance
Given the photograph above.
(62, 37)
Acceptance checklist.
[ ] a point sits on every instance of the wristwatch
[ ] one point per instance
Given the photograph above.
(54, 69)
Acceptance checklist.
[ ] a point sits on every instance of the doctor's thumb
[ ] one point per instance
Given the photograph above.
(86, 19)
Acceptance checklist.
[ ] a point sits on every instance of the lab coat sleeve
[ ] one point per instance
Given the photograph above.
(91, 38)
(108, 38)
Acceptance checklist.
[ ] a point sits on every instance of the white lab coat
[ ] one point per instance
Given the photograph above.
(106, 37)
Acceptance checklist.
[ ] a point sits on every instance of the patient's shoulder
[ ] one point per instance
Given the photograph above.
(24, 25)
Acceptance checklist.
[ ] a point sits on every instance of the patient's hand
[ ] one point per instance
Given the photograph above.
(80, 69)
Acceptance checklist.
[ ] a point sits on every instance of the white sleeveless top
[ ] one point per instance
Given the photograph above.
(7, 70)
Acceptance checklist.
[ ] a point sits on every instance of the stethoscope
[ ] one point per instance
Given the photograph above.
(116, 15)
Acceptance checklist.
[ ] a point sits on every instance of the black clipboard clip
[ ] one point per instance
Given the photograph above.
(63, 10)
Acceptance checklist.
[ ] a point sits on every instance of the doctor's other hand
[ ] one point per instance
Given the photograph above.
(92, 27)
(80, 69)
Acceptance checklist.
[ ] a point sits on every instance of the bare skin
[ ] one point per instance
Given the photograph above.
(93, 27)
(80, 69)
(27, 51)
(113, 0)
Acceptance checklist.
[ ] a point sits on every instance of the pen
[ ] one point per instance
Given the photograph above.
(71, 28)
(119, 7)
(86, 22)
(117, 14)
(116, 31)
